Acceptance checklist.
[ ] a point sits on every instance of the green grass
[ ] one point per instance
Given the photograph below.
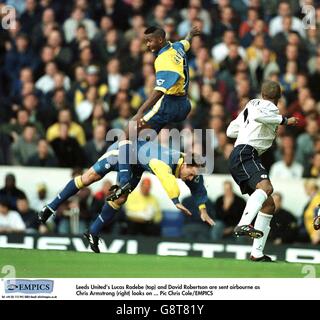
(67, 264)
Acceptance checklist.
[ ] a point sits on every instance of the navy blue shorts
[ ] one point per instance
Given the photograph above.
(109, 162)
(246, 168)
(167, 110)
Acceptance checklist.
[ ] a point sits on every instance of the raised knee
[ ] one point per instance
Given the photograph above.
(266, 186)
(90, 177)
(269, 190)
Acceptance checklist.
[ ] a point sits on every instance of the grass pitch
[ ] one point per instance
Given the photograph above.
(67, 264)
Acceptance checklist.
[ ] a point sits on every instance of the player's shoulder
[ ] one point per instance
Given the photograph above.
(177, 45)
(262, 104)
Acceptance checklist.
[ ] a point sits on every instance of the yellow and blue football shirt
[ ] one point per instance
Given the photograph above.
(172, 71)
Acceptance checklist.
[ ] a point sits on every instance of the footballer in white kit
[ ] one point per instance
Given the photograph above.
(255, 128)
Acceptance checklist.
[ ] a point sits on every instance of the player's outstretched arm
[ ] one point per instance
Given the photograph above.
(149, 103)
(205, 217)
(195, 31)
(183, 209)
(292, 121)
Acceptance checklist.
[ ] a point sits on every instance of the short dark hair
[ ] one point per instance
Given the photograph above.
(271, 90)
(156, 31)
(4, 202)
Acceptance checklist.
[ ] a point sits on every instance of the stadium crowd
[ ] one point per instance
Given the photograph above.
(72, 70)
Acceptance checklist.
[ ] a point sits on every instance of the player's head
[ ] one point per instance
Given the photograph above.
(271, 91)
(155, 38)
(191, 167)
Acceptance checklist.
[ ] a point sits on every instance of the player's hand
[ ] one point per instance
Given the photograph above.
(195, 31)
(206, 218)
(138, 118)
(184, 210)
(293, 121)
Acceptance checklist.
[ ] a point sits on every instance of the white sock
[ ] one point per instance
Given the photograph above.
(263, 224)
(254, 204)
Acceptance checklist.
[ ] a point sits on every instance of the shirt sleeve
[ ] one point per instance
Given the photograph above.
(167, 73)
(167, 179)
(185, 44)
(233, 128)
(267, 115)
(198, 191)
(16, 222)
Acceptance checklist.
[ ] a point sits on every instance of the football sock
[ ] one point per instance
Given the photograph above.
(125, 148)
(254, 204)
(105, 217)
(263, 224)
(71, 188)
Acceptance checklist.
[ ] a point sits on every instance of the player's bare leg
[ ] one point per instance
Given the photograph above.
(70, 189)
(263, 223)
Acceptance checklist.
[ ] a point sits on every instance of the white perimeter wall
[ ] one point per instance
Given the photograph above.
(294, 197)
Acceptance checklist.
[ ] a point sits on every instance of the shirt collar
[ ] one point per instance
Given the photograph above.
(165, 48)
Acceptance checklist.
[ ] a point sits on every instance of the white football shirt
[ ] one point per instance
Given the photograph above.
(256, 125)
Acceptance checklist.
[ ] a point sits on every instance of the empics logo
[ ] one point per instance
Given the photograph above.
(29, 286)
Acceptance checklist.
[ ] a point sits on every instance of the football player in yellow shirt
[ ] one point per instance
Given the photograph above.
(168, 102)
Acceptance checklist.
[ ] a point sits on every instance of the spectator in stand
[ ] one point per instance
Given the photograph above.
(16, 127)
(110, 47)
(284, 225)
(143, 211)
(117, 11)
(124, 116)
(30, 217)
(30, 16)
(25, 146)
(221, 50)
(226, 22)
(276, 24)
(78, 18)
(10, 221)
(84, 108)
(20, 56)
(313, 170)
(67, 149)
(97, 146)
(10, 192)
(305, 142)
(85, 78)
(315, 80)
(38, 201)
(113, 75)
(62, 54)
(98, 116)
(44, 157)
(158, 15)
(74, 129)
(228, 212)
(248, 25)
(306, 230)
(287, 168)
